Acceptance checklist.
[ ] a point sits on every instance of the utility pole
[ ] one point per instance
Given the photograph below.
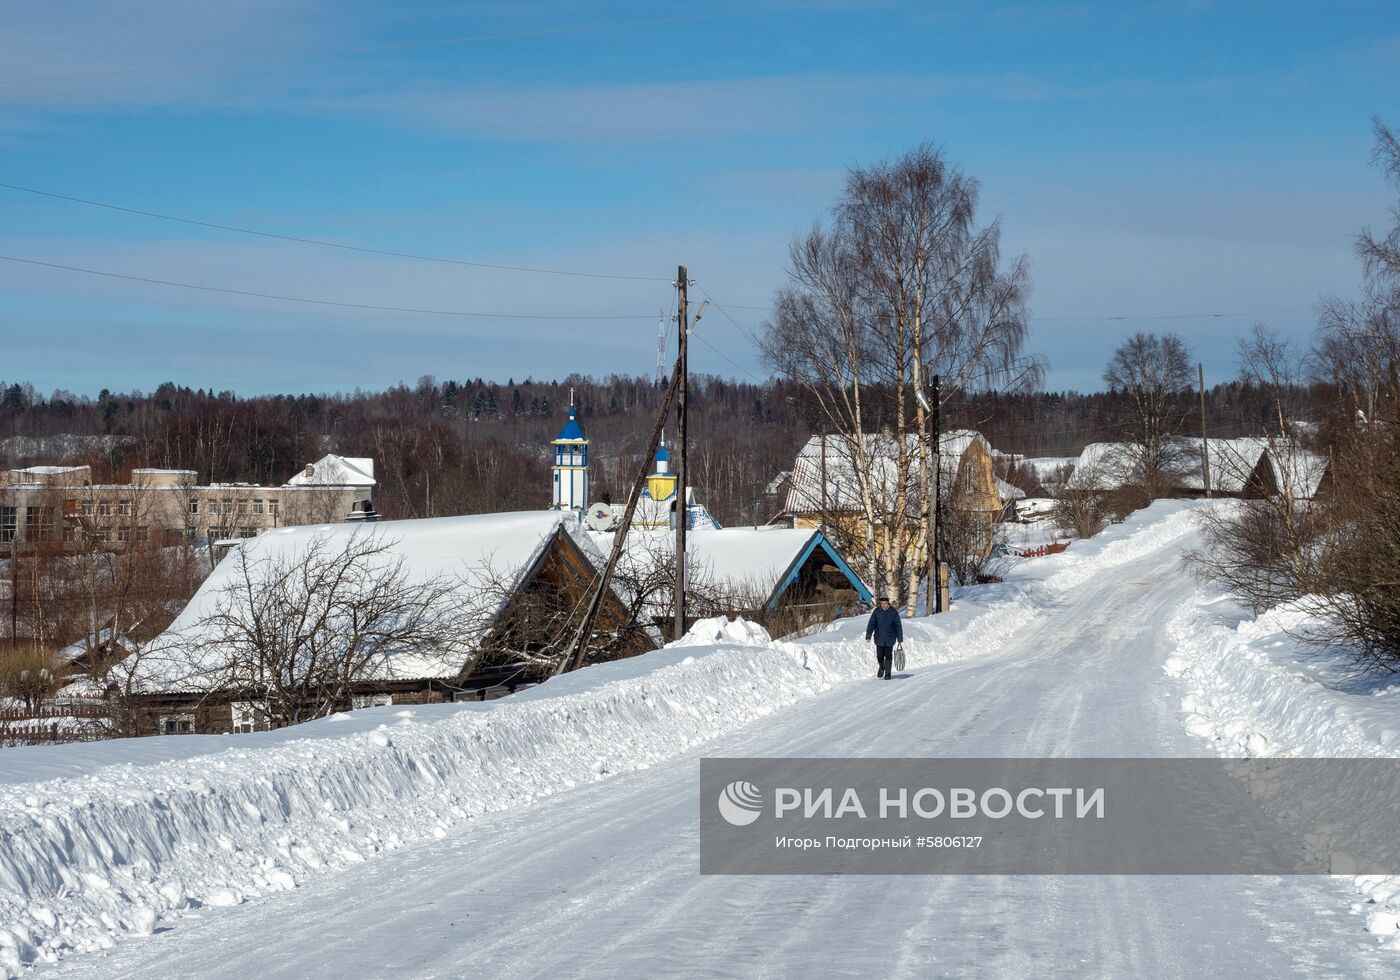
(1205, 444)
(682, 511)
(935, 597)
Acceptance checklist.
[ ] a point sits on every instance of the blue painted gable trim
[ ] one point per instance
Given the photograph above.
(789, 578)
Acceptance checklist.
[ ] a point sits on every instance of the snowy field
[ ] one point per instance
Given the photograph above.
(554, 832)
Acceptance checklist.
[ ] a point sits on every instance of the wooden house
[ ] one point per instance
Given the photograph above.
(1286, 470)
(519, 576)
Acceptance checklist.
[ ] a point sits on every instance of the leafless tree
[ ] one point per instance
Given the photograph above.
(902, 285)
(300, 629)
(1264, 549)
(1381, 253)
(1153, 371)
(1338, 555)
(1082, 504)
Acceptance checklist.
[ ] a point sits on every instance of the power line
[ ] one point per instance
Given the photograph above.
(1167, 316)
(736, 326)
(322, 242)
(1114, 317)
(406, 45)
(325, 302)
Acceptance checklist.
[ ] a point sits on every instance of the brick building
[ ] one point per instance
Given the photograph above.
(61, 505)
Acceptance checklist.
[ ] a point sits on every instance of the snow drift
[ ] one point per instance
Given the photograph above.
(1254, 689)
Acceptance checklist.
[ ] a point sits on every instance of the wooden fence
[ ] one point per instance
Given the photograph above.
(1043, 550)
(54, 723)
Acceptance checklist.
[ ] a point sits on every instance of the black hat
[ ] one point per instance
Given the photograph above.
(883, 598)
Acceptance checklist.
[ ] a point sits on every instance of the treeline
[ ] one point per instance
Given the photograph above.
(477, 446)
(444, 448)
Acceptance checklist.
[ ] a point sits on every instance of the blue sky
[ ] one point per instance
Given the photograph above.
(1152, 159)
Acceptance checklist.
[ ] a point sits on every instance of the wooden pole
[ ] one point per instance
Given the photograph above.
(934, 598)
(1205, 444)
(682, 510)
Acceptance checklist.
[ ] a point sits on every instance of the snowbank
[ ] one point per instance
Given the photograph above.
(1254, 689)
(114, 838)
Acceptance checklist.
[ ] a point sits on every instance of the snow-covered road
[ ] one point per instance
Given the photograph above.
(603, 880)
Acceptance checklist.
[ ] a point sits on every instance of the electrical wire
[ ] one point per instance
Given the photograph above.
(1113, 317)
(706, 293)
(321, 242)
(324, 302)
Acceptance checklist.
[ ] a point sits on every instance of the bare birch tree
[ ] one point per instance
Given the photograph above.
(1153, 372)
(902, 285)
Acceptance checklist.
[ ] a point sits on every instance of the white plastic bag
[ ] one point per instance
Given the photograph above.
(899, 657)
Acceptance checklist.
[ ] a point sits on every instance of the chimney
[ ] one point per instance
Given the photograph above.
(362, 511)
(310, 470)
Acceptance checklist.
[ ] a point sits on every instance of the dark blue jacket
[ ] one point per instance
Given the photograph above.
(885, 626)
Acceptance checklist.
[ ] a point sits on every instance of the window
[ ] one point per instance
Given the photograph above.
(9, 521)
(123, 535)
(248, 716)
(123, 508)
(104, 509)
(194, 506)
(274, 507)
(257, 506)
(181, 724)
(371, 700)
(85, 508)
(243, 506)
(227, 506)
(247, 532)
(38, 522)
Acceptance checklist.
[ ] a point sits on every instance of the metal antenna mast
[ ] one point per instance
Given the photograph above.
(660, 345)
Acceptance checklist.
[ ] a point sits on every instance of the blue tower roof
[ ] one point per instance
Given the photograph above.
(572, 430)
(662, 456)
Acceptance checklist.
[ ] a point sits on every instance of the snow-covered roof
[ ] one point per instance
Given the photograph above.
(104, 636)
(1045, 467)
(50, 470)
(835, 455)
(1296, 470)
(753, 563)
(1231, 461)
(495, 549)
(336, 471)
(1009, 491)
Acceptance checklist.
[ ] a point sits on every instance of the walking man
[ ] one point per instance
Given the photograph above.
(886, 630)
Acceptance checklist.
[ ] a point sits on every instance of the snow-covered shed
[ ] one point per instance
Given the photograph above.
(508, 574)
